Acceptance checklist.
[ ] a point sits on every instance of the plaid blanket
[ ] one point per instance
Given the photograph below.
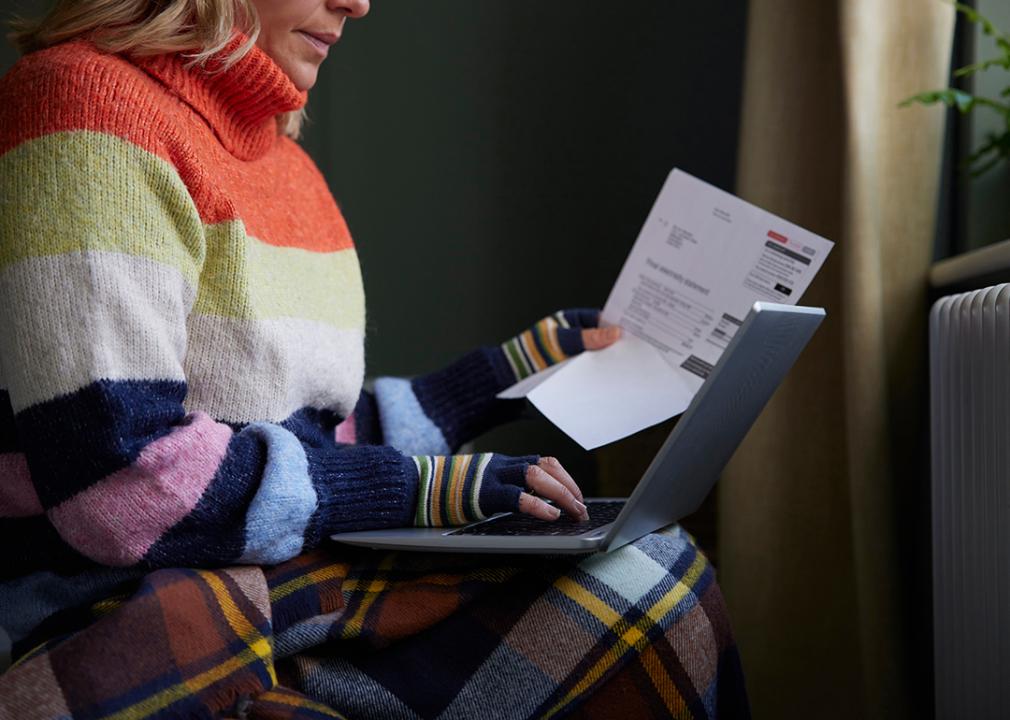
(640, 632)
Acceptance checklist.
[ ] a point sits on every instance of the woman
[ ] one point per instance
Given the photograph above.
(182, 365)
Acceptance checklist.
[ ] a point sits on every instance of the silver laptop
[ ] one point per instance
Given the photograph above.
(679, 477)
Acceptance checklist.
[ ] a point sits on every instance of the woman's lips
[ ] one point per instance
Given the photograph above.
(320, 41)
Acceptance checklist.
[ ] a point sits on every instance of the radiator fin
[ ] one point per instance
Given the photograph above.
(970, 445)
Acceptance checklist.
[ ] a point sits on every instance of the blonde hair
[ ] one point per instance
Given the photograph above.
(199, 28)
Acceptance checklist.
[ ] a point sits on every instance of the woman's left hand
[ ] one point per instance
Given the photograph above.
(555, 338)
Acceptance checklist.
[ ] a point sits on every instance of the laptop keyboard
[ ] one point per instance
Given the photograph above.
(600, 513)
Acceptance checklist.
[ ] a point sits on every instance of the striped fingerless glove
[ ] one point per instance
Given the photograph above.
(555, 338)
(459, 489)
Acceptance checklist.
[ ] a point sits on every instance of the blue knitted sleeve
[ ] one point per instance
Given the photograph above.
(436, 413)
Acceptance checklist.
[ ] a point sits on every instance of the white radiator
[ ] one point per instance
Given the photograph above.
(969, 339)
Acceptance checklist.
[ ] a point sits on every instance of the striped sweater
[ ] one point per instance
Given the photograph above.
(181, 328)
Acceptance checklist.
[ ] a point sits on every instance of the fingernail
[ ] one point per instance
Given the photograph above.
(580, 506)
(555, 512)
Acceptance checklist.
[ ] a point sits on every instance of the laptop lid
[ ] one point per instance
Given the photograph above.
(689, 463)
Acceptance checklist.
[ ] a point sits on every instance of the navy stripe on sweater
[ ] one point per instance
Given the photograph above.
(76, 440)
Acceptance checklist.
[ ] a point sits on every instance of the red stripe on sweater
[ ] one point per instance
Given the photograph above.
(75, 87)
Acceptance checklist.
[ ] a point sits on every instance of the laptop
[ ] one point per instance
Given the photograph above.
(680, 476)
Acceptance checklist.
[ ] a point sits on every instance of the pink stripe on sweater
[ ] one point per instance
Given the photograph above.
(116, 520)
(17, 494)
(347, 431)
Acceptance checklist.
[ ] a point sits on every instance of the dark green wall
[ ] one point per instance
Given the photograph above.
(496, 159)
(987, 213)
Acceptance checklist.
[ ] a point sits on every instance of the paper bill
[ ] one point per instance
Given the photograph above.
(701, 260)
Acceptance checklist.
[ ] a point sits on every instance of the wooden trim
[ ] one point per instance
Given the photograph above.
(972, 270)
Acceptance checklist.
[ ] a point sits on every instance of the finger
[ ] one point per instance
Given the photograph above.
(549, 487)
(536, 507)
(599, 338)
(554, 468)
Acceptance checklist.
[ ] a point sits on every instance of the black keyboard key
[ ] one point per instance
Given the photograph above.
(600, 513)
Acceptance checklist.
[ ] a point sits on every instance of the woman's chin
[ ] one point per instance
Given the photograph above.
(304, 81)
(302, 74)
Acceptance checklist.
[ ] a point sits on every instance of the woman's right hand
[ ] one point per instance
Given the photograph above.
(549, 479)
(459, 489)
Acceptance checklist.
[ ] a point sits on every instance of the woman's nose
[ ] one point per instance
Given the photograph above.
(350, 8)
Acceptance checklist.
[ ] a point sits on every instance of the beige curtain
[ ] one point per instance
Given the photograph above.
(816, 529)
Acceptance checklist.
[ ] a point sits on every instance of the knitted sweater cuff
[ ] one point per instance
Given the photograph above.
(369, 488)
(461, 398)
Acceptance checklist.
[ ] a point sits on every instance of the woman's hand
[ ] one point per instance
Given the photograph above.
(556, 338)
(458, 489)
(550, 480)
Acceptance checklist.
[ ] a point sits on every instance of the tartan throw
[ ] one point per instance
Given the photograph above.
(347, 633)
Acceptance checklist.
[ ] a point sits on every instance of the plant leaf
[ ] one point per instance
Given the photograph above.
(995, 149)
(951, 97)
(1003, 62)
(987, 25)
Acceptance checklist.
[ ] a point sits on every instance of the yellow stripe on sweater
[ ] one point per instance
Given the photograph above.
(248, 279)
(86, 191)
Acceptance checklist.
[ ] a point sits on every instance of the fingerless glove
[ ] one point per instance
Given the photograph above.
(552, 340)
(459, 489)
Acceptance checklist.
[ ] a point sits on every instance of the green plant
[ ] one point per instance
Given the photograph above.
(996, 148)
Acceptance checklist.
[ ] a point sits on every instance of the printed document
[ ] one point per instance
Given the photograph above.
(700, 262)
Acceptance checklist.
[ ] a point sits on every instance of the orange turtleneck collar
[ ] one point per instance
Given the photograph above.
(240, 103)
